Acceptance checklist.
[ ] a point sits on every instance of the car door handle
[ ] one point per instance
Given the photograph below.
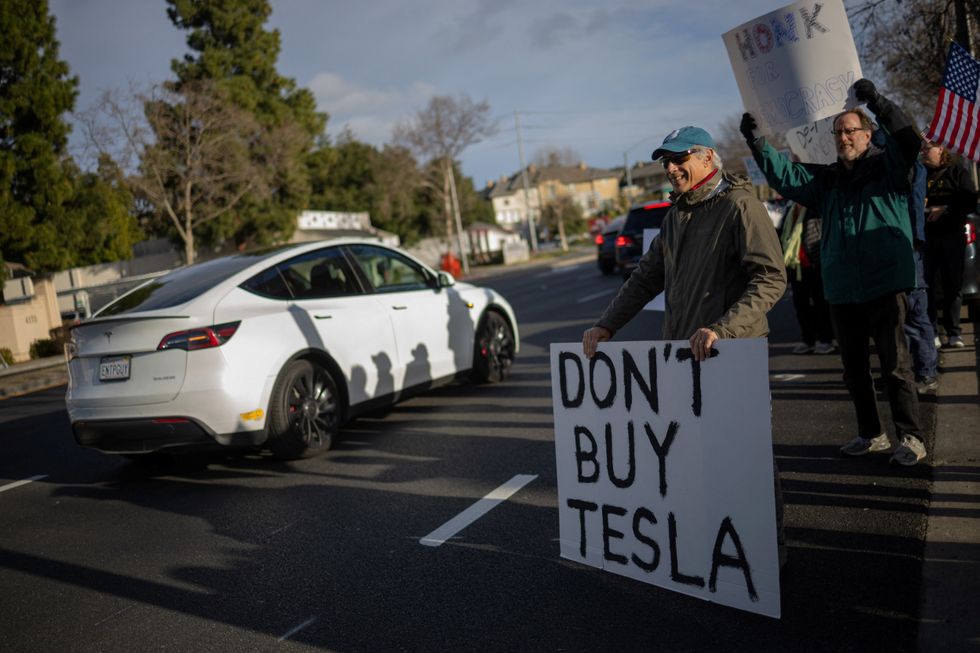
(323, 317)
(400, 308)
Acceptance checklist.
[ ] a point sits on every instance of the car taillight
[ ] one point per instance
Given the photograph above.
(599, 239)
(212, 336)
(971, 233)
(624, 241)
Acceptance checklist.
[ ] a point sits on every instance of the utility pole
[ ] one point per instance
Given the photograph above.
(533, 231)
(464, 259)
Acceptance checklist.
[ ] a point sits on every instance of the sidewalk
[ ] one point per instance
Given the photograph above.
(950, 603)
(40, 374)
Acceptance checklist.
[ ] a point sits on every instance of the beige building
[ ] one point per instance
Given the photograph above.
(594, 190)
(28, 313)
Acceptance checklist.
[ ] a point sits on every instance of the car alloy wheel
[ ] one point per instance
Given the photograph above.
(495, 349)
(304, 416)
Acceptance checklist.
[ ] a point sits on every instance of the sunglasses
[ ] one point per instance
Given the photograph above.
(677, 159)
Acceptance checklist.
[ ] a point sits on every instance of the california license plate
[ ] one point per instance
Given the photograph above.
(114, 368)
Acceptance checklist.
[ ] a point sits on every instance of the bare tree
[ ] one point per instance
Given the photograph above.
(563, 215)
(190, 152)
(904, 44)
(552, 156)
(440, 133)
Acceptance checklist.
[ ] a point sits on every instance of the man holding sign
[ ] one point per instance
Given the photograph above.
(717, 256)
(866, 257)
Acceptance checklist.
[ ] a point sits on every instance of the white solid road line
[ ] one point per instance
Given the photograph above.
(11, 486)
(477, 510)
(587, 298)
(296, 629)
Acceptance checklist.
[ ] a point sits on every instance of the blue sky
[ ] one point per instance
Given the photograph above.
(600, 78)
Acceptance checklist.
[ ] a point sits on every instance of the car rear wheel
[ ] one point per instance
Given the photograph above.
(606, 266)
(494, 353)
(304, 415)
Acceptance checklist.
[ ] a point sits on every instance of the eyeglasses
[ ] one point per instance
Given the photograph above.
(847, 130)
(680, 158)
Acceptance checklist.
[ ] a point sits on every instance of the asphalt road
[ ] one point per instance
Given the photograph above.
(247, 553)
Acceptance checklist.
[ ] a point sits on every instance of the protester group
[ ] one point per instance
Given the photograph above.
(872, 246)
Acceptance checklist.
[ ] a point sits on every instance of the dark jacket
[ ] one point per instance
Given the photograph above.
(866, 246)
(719, 259)
(950, 186)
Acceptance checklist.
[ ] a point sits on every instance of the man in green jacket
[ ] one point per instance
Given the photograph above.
(866, 258)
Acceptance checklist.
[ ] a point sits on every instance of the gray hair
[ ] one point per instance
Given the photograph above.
(700, 150)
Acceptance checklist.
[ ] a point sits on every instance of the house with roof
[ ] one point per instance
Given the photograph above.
(594, 190)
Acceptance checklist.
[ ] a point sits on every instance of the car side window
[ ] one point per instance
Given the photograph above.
(268, 283)
(389, 271)
(320, 274)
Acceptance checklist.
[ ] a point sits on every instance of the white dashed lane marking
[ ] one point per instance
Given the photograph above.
(11, 486)
(477, 510)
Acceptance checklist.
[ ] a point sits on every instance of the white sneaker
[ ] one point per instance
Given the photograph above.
(860, 446)
(956, 342)
(939, 343)
(824, 348)
(909, 452)
(803, 348)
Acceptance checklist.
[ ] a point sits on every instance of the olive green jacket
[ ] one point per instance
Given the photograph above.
(719, 259)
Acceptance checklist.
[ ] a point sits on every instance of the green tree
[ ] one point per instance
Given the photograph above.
(396, 194)
(102, 223)
(231, 47)
(35, 92)
(341, 176)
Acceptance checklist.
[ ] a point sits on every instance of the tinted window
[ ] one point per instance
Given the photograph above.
(323, 273)
(183, 285)
(269, 283)
(648, 216)
(389, 271)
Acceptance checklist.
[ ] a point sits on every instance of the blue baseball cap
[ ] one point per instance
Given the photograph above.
(682, 140)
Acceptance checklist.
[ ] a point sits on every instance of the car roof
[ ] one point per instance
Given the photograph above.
(264, 258)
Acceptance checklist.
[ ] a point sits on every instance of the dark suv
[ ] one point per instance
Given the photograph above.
(606, 245)
(629, 243)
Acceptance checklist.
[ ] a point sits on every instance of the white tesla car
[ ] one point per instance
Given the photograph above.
(277, 348)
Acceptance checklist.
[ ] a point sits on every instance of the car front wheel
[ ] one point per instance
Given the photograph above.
(304, 414)
(494, 353)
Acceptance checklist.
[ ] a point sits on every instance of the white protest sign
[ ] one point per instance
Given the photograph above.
(814, 142)
(657, 303)
(664, 467)
(794, 65)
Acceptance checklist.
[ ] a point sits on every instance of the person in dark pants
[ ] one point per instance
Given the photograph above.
(866, 258)
(950, 196)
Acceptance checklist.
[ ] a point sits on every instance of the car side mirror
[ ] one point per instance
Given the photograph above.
(444, 279)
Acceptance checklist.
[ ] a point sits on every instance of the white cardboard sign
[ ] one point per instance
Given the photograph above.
(814, 142)
(664, 467)
(794, 65)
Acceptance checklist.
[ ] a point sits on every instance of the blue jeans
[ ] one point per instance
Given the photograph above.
(918, 327)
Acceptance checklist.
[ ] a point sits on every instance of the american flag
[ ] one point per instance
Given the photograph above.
(957, 121)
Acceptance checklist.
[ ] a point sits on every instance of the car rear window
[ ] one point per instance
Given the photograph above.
(647, 216)
(183, 285)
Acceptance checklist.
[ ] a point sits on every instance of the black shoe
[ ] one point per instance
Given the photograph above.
(927, 385)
